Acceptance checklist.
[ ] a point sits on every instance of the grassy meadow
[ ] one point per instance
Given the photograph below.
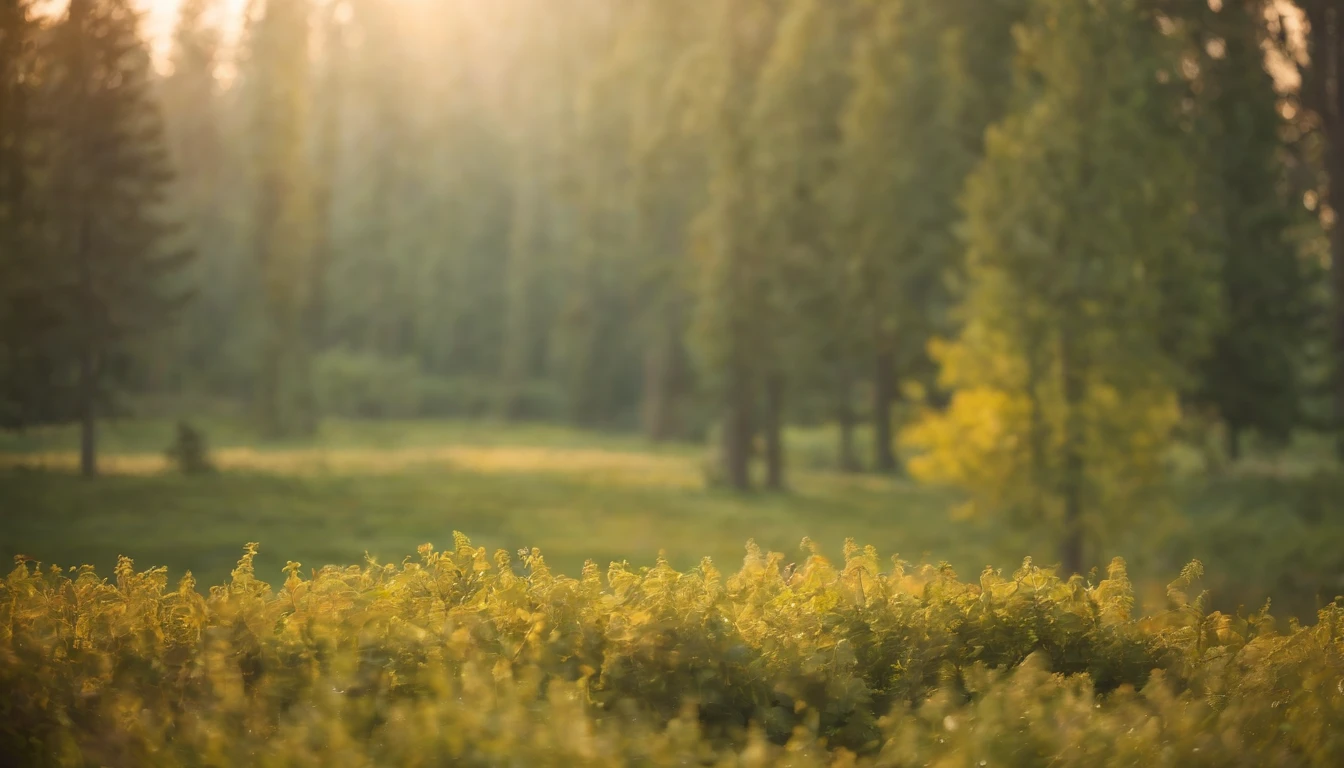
(383, 488)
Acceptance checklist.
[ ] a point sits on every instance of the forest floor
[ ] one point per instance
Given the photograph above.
(383, 488)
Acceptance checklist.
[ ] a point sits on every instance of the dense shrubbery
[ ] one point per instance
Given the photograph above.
(458, 658)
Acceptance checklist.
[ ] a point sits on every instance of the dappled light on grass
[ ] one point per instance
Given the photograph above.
(601, 466)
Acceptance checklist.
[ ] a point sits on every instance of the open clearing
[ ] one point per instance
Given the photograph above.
(385, 488)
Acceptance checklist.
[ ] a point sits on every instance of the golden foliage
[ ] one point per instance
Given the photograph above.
(462, 658)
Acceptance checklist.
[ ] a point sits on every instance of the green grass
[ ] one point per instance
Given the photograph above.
(152, 435)
(201, 523)
(384, 488)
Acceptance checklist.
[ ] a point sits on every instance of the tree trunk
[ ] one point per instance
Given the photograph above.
(305, 398)
(774, 433)
(844, 416)
(658, 409)
(88, 381)
(1071, 486)
(269, 411)
(737, 436)
(516, 355)
(1233, 443)
(1040, 430)
(88, 419)
(884, 385)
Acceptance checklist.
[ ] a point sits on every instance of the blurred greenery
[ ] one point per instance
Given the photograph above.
(1265, 530)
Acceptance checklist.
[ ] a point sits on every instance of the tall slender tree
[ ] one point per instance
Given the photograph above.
(329, 102)
(929, 77)
(668, 181)
(732, 314)
(190, 95)
(283, 219)
(26, 311)
(108, 176)
(597, 343)
(1089, 302)
(1254, 376)
(795, 127)
(1320, 63)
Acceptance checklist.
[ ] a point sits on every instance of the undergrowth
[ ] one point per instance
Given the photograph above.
(460, 658)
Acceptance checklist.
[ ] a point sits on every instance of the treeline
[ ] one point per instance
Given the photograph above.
(1042, 230)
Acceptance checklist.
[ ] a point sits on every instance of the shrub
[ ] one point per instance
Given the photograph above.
(189, 452)
(458, 658)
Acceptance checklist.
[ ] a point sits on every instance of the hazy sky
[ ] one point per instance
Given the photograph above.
(162, 15)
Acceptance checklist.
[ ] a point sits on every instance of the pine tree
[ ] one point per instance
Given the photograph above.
(27, 312)
(108, 176)
(1088, 303)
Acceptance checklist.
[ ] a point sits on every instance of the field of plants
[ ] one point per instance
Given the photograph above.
(667, 647)
(460, 657)
(474, 655)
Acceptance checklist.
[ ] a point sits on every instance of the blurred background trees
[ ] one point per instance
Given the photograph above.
(1035, 236)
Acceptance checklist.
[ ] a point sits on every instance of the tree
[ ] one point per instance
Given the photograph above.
(1253, 378)
(27, 384)
(668, 183)
(795, 128)
(108, 176)
(731, 315)
(329, 102)
(1319, 59)
(190, 96)
(284, 219)
(540, 213)
(596, 342)
(929, 77)
(1087, 303)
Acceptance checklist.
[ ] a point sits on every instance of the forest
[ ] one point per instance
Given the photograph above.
(1031, 244)
(641, 280)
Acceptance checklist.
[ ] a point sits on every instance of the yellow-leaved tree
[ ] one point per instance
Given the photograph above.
(1087, 299)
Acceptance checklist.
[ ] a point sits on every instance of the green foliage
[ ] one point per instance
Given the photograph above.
(366, 386)
(189, 452)
(356, 385)
(85, 239)
(1089, 299)
(463, 657)
(1256, 377)
(772, 185)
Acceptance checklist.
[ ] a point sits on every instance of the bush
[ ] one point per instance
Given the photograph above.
(457, 658)
(189, 452)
